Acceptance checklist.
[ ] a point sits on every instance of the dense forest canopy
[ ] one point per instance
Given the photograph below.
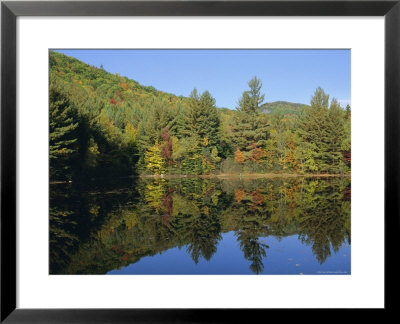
(103, 125)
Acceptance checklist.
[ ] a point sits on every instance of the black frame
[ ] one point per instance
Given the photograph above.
(10, 10)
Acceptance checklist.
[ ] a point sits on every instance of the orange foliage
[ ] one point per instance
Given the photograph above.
(257, 197)
(239, 194)
(239, 157)
(124, 85)
(290, 161)
(256, 153)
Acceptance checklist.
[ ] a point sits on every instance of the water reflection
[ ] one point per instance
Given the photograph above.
(105, 226)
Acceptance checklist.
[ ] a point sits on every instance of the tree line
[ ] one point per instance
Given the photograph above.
(102, 125)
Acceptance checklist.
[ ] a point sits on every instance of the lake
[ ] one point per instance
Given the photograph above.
(192, 225)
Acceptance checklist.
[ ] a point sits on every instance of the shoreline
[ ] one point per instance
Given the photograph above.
(245, 175)
(226, 176)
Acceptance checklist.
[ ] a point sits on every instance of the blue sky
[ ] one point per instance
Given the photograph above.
(288, 75)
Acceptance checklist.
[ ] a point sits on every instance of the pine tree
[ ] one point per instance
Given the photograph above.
(336, 133)
(202, 119)
(191, 116)
(321, 128)
(255, 98)
(209, 121)
(348, 111)
(157, 117)
(249, 125)
(346, 141)
(63, 146)
(313, 128)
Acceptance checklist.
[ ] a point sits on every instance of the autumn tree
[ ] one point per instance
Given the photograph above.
(239, 157)
(154, 161)
(166, 151)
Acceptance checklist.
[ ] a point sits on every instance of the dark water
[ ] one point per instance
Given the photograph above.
(201, 226)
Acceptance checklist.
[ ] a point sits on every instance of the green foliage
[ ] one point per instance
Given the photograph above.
(252, 99)
(106, 125)
(201, 118)
(63, 137)
(249, 126)
(322, 129)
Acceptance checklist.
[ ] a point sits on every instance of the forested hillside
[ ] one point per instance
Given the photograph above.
(103, 125)
(282, 107)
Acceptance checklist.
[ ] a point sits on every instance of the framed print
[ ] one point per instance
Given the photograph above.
(127, 195)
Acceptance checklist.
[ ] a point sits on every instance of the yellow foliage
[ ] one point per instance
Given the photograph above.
(124, 85)
(214, 197)
(94, 210)
(154, 161)
(154, 193)
(130, 134)
(131, 219)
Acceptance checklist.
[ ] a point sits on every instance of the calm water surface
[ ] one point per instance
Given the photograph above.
(201, 226)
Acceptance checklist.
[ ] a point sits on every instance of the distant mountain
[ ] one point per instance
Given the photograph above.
(283, 107)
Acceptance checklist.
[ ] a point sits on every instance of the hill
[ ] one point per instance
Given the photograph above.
(283, 107)
(107, 86)
(119, 90)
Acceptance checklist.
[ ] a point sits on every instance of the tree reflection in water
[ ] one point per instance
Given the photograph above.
(100, 227)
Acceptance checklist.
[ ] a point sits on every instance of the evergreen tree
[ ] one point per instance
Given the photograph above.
(191, 116)
(313, 128)
(255, 98)
(336, 133)
(63, 145)
(346, 142)
(202, 118)
(209, 121)
(157, 117)
(249, 125)
(321, 129)
(348, 111)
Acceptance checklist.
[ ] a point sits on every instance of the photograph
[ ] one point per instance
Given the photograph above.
(199, 161)
(196, 161)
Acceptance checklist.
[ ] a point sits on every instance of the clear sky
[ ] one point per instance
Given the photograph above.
(287, 75)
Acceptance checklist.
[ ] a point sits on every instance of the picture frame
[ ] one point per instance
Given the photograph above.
(10, 10)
